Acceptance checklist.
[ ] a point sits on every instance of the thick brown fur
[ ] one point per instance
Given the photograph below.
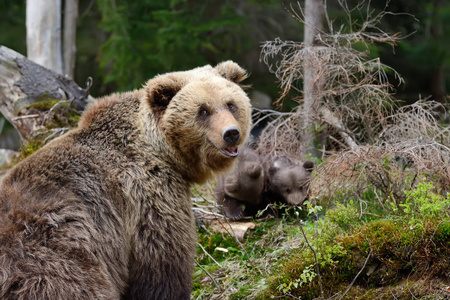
(104, 212)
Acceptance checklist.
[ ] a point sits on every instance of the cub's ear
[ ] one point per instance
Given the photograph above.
(279, 163)
(231, 71)
(308, 165)
(160, 91)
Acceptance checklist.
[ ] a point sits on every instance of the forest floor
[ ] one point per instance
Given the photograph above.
(336, 251)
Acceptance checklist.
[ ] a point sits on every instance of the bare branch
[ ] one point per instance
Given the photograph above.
(357, 275)
(209, 255)
(209, 275)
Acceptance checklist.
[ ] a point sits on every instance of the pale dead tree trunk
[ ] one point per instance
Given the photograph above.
(43, 23)
(314, 17)
(48, 42)
(69, 36)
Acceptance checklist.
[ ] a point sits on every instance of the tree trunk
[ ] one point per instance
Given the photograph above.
(44, 33)
(69, 38)
(23, 82)
(438, 84)
(314, 16)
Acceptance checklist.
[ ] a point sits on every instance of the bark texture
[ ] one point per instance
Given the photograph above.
(69, 36)
(23, 82)
(314, 16)
(44, 33)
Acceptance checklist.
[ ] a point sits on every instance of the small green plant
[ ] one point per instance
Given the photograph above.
(344, 216)
(422, 204)
(306, 277)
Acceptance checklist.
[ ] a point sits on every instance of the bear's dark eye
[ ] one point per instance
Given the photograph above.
(203, 112)
(288, 190)
(231, 106)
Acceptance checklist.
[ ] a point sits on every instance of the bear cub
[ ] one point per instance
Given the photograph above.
(288, 180)
(242, 187)
(278, 180)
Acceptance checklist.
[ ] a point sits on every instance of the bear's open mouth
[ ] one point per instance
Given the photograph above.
(230, 151)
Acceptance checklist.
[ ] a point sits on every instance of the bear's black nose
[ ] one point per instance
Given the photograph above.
(231, 135)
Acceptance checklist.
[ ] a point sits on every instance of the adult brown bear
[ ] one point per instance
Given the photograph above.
(104, 212)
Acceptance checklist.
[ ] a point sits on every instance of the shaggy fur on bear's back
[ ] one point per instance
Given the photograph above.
(104, 212)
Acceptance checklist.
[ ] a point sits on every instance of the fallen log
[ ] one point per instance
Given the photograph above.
(26, 86)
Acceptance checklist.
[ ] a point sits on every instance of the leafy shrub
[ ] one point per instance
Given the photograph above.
(414, 242)
(423, 203)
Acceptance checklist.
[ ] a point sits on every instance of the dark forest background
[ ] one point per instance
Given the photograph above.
(121, 44)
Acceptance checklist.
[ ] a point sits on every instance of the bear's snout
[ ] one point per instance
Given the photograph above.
(231, 135)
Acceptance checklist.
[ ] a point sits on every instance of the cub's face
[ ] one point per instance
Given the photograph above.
(290, 179)
(205, 116)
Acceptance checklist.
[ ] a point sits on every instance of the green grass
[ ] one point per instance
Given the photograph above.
(395, 252)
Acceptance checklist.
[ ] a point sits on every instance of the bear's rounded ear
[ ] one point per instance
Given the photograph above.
(308, 165)
(160, 91)
(279, 163)
(231, 71)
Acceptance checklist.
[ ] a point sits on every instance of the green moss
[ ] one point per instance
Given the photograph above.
(396, 251)
(58, 113)
(283, 266)
(45, 104)
(28, 149)
(54, 114)
(443, 232)
(211, 242)
(346, 217)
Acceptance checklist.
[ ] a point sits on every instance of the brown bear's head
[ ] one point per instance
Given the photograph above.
(289, 179)
(204, 114)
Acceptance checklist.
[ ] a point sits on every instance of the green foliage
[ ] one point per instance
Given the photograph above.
(413, 241)
(306, 277)
(422, 204)
(12, 23)
(168, 35)
(28, 149)
(344, 217)
(431, 52)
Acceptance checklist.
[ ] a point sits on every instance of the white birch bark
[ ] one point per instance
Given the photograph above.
(43, 23)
